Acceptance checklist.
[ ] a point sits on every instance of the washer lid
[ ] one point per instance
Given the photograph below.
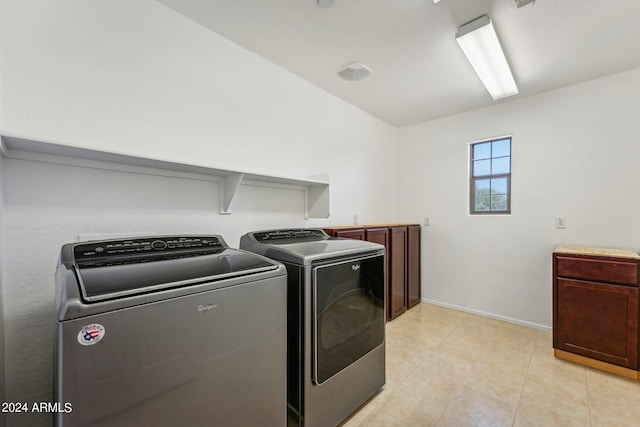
(113, 269)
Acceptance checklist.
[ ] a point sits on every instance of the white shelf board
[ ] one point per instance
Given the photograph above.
(316, 189)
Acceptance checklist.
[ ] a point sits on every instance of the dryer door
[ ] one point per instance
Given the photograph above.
(348, 313)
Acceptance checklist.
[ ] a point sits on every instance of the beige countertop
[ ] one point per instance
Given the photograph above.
(580, 250)
(358, 226)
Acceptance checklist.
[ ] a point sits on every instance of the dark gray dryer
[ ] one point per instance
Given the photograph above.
(336, 321)
(170, 331)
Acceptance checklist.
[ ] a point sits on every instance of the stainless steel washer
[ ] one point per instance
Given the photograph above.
(170, 331)
(336, 330)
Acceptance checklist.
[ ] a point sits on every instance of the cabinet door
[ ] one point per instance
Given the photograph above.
(398, 272)
(413, 266)
(381, 236)
(597, 320)
(357, 234)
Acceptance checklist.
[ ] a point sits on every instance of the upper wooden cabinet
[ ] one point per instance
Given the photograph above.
(402, 244)
(595, 306)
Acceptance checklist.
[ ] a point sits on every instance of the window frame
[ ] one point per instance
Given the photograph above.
(472, 179)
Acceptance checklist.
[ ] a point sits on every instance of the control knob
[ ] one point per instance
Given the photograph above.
(159, 245)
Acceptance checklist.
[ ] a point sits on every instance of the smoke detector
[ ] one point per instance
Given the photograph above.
(354, 72)
(325, 4)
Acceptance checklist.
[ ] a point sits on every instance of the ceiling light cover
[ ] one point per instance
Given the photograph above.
(479, 42)
(324, 4)
(354, 72)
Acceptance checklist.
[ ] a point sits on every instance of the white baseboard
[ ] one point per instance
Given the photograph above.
(490, 315)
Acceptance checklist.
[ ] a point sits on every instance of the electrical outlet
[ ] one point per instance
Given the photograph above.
(561, 222)
(355, 219)
(426, 221)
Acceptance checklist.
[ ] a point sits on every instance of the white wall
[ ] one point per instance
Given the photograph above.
(2, 346)
(136, 78)
(2, 298)
(575, 153)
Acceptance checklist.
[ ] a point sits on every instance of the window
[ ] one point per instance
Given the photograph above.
(490, 184)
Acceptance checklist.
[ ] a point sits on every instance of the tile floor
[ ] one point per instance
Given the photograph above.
(450, 368)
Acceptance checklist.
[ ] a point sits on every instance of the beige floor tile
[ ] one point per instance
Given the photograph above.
(599, 420)
(405, 350)
(516, 360)
(518, 337)
(398, 370)
(549, 365)
(430, 377)
(358, 417)
(470, 340)
(425, 309)
(438, 326)
(497, 383)
(613, 396)
(554, 387)
(379, 419)
(474, 408)
(450, 368)
(540, 408)
(404, 325)
(499, 350)
(425, 340)
(413, 408)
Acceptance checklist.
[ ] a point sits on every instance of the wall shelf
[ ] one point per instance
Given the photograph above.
(316, 189)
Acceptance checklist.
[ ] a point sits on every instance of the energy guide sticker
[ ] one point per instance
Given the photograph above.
(91, 334)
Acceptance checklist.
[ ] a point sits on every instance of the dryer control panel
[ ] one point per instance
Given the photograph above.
(275, 236)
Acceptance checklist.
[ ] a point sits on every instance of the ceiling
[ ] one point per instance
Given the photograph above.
(419, 72)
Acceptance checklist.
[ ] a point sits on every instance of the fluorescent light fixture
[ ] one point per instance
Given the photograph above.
(479, 42)
(354, 72)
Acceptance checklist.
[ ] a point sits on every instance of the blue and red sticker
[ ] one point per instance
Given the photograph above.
(91, 334)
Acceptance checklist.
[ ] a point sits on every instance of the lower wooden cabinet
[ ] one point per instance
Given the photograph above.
(357, 234)
(397, 302)
(380, 235)
(402, 244)
(413, 265)
(596, 307)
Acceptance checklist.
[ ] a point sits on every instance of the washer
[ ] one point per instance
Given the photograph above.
(336, 321)
(169, 331)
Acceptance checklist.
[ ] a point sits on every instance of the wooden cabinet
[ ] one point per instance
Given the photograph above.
(380, 235)
(413, 265)
(402, 244)
(397, 303)
(357, 234)
(596, 308)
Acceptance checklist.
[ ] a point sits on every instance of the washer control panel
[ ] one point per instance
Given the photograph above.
(150, 245)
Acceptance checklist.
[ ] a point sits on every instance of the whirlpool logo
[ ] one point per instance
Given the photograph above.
(204, 308)
(355, 267)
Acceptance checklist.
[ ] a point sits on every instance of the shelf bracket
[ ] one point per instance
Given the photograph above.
(228, 189)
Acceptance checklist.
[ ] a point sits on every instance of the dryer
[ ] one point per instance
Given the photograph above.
(335, 321)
